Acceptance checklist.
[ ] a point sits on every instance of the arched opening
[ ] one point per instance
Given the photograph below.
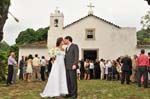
(56, 22)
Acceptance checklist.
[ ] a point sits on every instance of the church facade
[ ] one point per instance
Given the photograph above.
(96, 38)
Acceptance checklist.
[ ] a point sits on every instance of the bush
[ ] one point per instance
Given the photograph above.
(3, 60)
(3, 65)
(30, 36)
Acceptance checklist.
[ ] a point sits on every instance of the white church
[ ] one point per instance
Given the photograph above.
(96, 37)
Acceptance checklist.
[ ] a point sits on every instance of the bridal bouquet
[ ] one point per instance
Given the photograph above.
(53, 52)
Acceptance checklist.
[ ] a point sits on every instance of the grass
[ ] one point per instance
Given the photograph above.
(92, 89)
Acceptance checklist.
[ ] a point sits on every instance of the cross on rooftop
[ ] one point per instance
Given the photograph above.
(90, 8)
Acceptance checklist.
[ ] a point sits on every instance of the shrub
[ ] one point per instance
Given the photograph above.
(3, 65)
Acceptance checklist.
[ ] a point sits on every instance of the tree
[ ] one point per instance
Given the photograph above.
(30, 36)
(4, 7)
(26, 36)
(3, 65)
(4, 46)
(143, 37)
(146, 21)
(148, 1)
(41, 34)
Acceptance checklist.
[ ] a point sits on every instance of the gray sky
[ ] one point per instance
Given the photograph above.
(36, 13)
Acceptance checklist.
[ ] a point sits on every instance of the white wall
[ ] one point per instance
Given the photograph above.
(110, 40)
(33, 51)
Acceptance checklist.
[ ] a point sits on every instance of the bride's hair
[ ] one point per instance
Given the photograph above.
(59, 40)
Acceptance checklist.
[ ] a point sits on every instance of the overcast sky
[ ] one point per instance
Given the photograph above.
(36, 13)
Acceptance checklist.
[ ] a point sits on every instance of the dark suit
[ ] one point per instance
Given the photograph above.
(82, 69)
(71, 58)
(126, 69)
(97, 70)
(22, 63)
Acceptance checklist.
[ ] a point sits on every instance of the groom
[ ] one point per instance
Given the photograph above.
(71, 62)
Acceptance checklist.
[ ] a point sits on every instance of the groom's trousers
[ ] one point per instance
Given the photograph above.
(72, 83)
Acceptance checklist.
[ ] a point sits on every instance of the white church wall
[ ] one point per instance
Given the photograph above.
(110, 40)
(33, 51)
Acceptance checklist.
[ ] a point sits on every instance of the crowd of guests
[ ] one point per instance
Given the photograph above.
(124, 68)
(30, 68)
(99, 69)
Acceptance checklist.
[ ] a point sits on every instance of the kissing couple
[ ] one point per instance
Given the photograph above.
(62, 81)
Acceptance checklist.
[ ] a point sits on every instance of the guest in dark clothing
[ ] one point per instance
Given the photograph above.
(21, 67)
(43, 68)
(114, 70)
(82, 69)
(49, 67)
(126, 69)
(25, 75)
(142, 66)
(148, 69)
(97, 69)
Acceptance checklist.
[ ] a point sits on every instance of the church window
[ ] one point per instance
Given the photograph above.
(56, 22)
(90, 34)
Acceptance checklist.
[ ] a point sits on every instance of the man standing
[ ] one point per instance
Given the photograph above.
(126, 69)
(82, 69)
(36, 67)
(102, 68)
(21, 67)
(11, 63)
(71, 62)
(134, 71)
(14, 74)
(97, 69)
(142, 65)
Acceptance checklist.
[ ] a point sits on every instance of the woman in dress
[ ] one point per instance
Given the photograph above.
(25, 69)
(57, 82)
(119, 66)
(29, 68)
(87, 70)
(78, 71)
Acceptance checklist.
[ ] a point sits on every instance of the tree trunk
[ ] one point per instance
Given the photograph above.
(3, 17)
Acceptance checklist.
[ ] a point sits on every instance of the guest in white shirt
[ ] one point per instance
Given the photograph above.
(43, 68)
(91, 69)
(36, 67)
(108, 65)
(102, 66)
(11, 63)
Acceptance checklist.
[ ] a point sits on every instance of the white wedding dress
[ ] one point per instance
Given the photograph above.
(57, 82)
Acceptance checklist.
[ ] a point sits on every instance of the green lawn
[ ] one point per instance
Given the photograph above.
(93, 89)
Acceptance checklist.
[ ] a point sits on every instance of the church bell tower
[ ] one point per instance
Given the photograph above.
(56, 20)
(56, 27)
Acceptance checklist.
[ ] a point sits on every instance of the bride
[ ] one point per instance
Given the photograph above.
(57, 83)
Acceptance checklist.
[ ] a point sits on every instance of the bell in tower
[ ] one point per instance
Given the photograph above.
(56, 19)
